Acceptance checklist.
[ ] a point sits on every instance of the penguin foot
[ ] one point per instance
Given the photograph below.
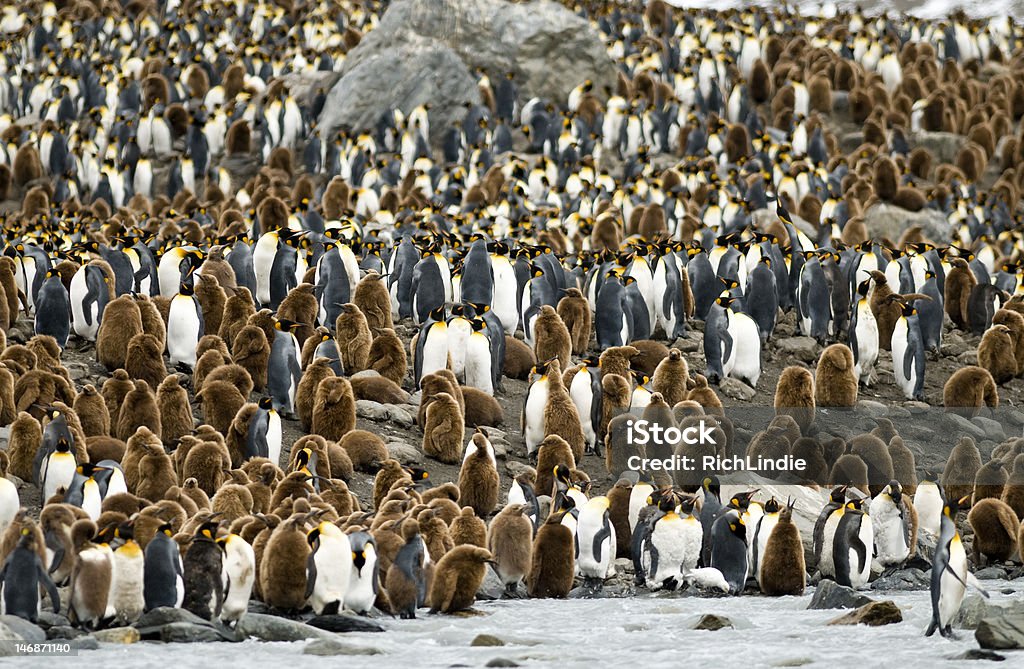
(947, 632)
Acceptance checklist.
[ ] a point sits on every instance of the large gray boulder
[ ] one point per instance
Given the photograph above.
(427, 51)
(886, 220)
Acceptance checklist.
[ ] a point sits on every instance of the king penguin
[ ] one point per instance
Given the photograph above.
(283, 370)
(53, 309)
(185, 325)
(164, 581)
(595, 542)
(949, 572)
(729, 549)
(328, 568)
(363, 581)
(853, 546)
(89, 296)
(22, 575)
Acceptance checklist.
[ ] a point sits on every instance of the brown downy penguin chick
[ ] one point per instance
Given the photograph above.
(616, 394)
(835, 383)
(649, 356)
(282, 572)
(996, 354)
(885, 307)
(208, 362)
(995, 528)
(435, 534)
(104, 448)
(478, 477)
(25, 437)
(139, 410)
(447, 490)
(990, 481)
(457, 577)
(341, 463)
(781, 568)
(1014, 321)
(468, 528)
(387, 356)
(374, 301)
(849, 470)
(795, 394)
(121, 321)
(551, 337)
(365, 449)
(92, 412)
(232, 501)
(510, 541)
(960, 281)
(334, 408)
(217, 268)
(551, 452)
(140, 445)
(482, 410)
(672, 377)
(55, 521)
(237, 310)
(9, 291)
(552, 564)
(875, 454)
(239, 139)
(221, 402)
(206, 463)
(300, 306)
(305, 393)
(961, 469)
(1013, 491)
(390, 472)
(212, 301)
(352, 332)
(575, 314)
(441, 381)
(616, 360)
(114, 390)
(969, 389)
(705, 396)
(519, 359)
(90, 576)
(443, 429)
(152, 320)
(904, 468)
(176, 418)
(406, 580)
(251, 350)
(560, 415)
(378, 389)
(618, 514)
(885, 178)
(816, 468)
(8, 405)
(156, 474)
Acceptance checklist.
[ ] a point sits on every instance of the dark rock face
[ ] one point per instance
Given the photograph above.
(1001, 632)
(344, 623)
(831, 595)
(426, 51)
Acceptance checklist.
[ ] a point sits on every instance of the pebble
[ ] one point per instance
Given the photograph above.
(873, 614)
(125, 635)
(961, 424)
(332, 647)
(486, 640)
(712, 622)
(1001, 632)
(802, 348)
(831, 595)
(737, 390)
(404, 453)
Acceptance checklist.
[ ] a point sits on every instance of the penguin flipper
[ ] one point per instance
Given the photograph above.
(58, 559)
(310, 574)
(600, 537)
(862, 551)
(727, 343)
(51, 587)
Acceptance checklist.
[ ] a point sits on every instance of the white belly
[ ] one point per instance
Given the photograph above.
(536, 403)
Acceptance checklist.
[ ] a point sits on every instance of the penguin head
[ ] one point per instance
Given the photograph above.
(738, 528)
(741, 500)
(856, 504)
(724, 300)
(285, 325)
(208, 530)
(87, 469)
(894, 490)
(908, 310)
(63, 446)
(417, 473)
(266, 403)
(952, 507)
(303, 458)
(166, 529)
(711, 484)
(772, 506)
(437, 314)
(562, 475)
(313, 536)
(838, 494)
(26, 539)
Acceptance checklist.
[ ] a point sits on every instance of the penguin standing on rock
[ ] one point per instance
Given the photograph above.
(363, 581)
(853, 546)
(729, 549)
(164, 581)
(949, 572)
(895, 526)
(239, 576)
(674, 543)
(328, 568)
(824, 530)
(202, 566)
(21, 576)
(595, 542)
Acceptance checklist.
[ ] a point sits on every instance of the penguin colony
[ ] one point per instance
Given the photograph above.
(183, 217)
